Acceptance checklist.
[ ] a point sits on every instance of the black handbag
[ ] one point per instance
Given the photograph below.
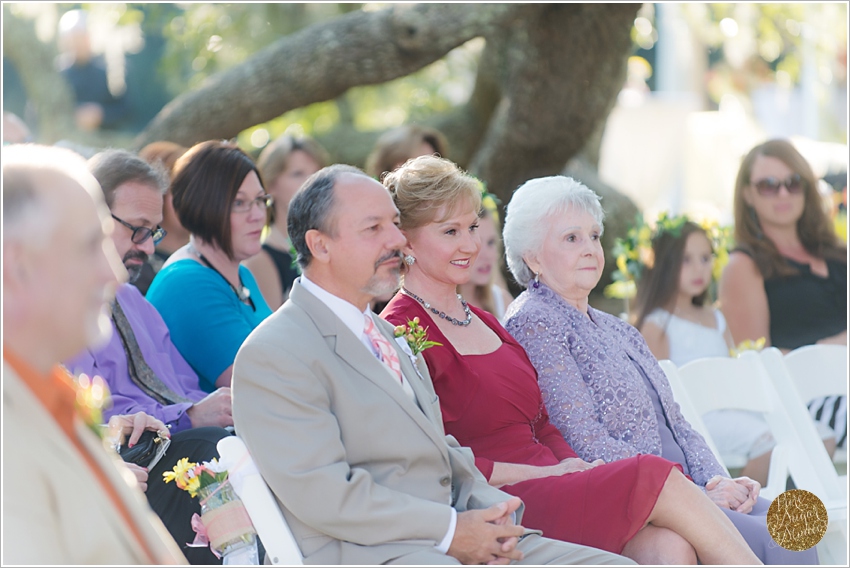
(147, 451)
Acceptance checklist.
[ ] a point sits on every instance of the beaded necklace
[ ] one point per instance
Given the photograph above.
(443, 315)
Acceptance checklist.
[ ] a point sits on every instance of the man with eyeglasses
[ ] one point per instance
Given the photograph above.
(141, 366)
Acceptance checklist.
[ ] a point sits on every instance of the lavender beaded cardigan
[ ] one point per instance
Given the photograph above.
(594, 393)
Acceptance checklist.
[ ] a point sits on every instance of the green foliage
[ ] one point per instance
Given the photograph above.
(769, 37)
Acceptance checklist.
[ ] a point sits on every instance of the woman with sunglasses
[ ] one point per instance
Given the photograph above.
(208, 300)
(787, 279)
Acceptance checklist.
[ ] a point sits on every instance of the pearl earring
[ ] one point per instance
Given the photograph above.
(409, 260)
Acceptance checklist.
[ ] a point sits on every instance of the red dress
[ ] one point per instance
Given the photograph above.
(492, 404)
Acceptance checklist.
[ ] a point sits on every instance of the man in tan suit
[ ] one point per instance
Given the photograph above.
(344, 428)
(65, 499)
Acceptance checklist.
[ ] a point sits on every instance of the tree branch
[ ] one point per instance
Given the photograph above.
(321, 62)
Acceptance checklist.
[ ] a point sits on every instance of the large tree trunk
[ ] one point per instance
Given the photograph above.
(321, 62)
(564, 67)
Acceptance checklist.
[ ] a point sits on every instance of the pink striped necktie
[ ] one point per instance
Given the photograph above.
(388, 354)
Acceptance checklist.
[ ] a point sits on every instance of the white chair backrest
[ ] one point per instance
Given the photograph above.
(262, 507)
(831, 486)
(689, 411)
(742, 383)
(818, 370)
(715, 383)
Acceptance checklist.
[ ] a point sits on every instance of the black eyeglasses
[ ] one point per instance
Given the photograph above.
(769, 187)
(141, 234)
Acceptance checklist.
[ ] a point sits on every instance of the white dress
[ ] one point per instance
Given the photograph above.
(498, 302)
(738, 432)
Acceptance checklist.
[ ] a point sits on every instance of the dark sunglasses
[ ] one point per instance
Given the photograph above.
(769, 187)
(141, 234)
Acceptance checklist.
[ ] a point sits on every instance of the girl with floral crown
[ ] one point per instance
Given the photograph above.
(674, 314)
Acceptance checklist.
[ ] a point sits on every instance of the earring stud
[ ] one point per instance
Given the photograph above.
(409, 260)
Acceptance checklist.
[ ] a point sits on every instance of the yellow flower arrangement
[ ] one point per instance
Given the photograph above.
(747, 345)
(192, 477)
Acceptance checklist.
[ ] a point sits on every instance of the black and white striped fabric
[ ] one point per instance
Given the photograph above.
(831, 411)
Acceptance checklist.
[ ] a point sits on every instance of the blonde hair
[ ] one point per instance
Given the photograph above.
(424, 186)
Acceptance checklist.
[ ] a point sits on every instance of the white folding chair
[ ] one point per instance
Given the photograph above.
(817, 371)
(262, 507)
(778, 471)
(815, 471)
(711, 384)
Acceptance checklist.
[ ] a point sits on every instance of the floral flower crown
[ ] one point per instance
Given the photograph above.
(489, 201)
(634, 252)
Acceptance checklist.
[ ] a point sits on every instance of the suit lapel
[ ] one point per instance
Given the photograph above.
(411, 373)
(352, 350)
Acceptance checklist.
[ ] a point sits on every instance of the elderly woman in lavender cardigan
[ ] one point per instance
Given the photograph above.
(602, 386)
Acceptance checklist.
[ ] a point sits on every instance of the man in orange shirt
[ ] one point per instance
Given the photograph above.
(65, 499)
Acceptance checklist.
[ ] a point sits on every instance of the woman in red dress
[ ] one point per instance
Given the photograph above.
(643, 507)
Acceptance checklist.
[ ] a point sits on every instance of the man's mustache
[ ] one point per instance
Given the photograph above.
(135, 254)
(134, 270)
(389, 256)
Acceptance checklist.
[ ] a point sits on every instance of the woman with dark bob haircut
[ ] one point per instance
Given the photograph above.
(208, 300)
(787, 279)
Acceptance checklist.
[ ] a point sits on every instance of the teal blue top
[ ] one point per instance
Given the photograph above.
(207, 321)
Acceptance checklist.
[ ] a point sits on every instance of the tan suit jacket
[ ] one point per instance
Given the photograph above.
(54, 510)
(363, 474)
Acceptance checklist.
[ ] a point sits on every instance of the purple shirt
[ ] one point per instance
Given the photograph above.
(110, 362)
(588, 373)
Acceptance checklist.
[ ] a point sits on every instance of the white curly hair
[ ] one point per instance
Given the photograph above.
(530, 211)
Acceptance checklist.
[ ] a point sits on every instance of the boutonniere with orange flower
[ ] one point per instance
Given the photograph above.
(415, 335)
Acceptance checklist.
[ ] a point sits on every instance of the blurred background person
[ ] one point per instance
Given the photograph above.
(395, 147)
(786, 280)
(209, 301)
(97, 106)
(15, 130)
(284, 165)
(400, 144)
(165, 154)
(484, 289)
